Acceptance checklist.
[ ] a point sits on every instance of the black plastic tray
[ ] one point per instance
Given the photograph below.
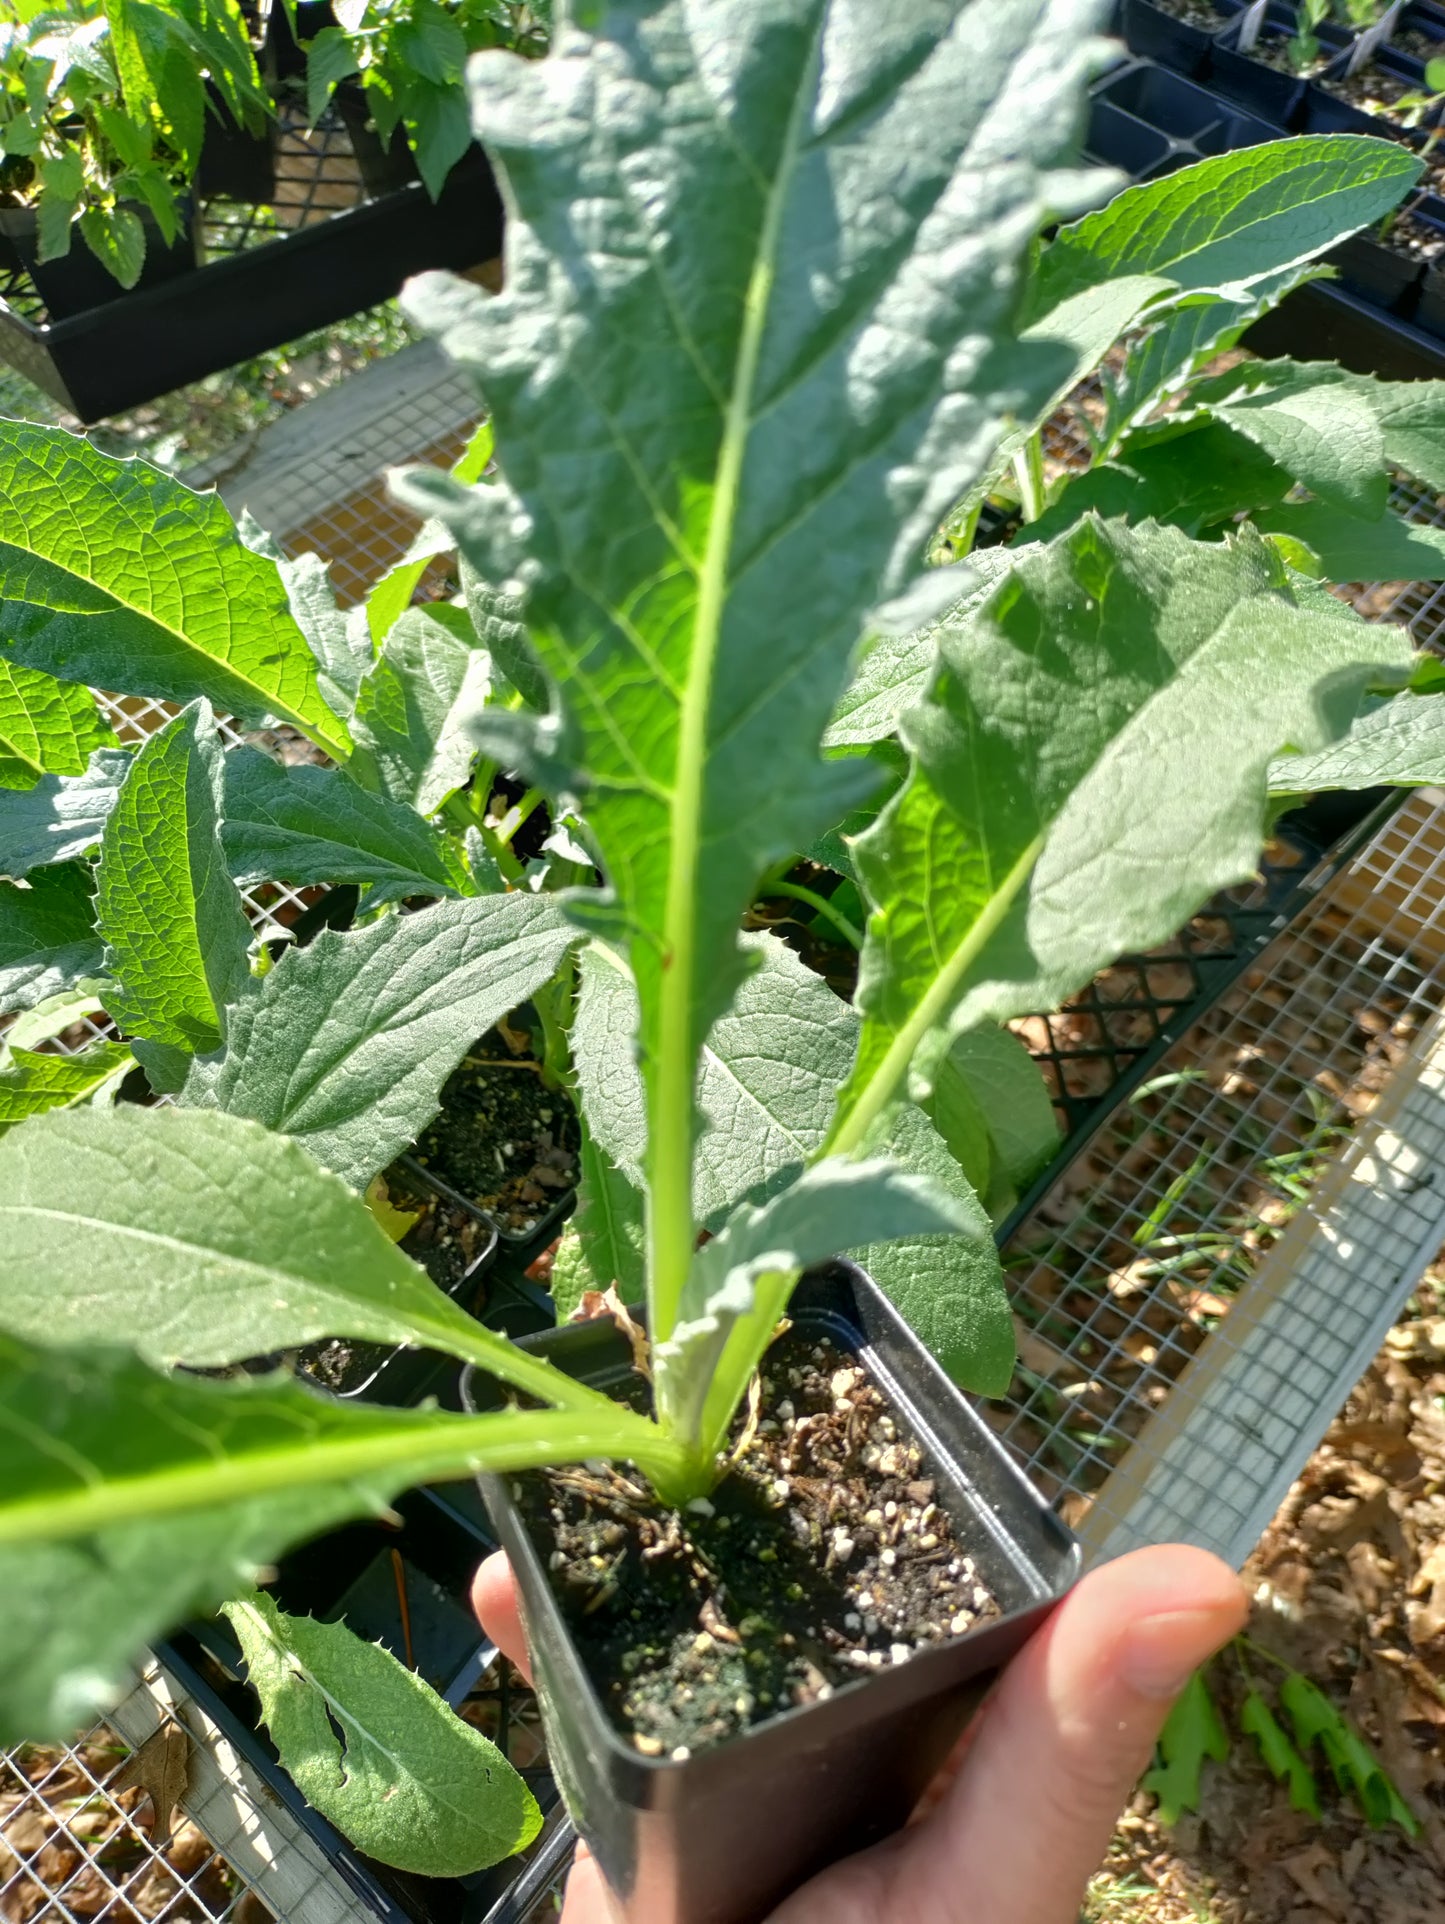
(132, 349)
(444, 1534)
(1385, 313)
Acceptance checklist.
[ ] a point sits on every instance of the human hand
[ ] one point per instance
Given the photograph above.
(1020, 1817)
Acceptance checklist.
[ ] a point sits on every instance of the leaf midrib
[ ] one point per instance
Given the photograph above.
(462, 1337)
(268, 698)
(671, 1131)
(450, 1446)
(347, 1715)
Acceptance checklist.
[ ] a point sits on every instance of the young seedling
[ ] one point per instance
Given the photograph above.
(741, 369)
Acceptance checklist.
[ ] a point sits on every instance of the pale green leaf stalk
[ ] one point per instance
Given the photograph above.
(712, 642)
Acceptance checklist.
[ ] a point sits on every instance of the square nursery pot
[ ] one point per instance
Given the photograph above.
(235, 163)
(1155, 35)
(76, 283)
(385, 165)
(1270, 92)
(722, 1836)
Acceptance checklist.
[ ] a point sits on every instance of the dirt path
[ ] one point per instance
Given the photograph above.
(1349, 1586)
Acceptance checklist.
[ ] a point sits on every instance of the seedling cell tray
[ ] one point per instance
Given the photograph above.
(1385, 314)
(361, 1573)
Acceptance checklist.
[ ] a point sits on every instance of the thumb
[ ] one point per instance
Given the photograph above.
(1058, 1748)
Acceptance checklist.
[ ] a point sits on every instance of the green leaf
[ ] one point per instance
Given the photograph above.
(948, 1288)
(1161, 359)
(1326, 437)
(1230, 219)
(692, 588)
(602, 1245)
(117, 238)
(1013, 1096)
(1192, 473)
(48, 940)
(1356, 1770)
(431, 43)
(46, 726)
(205, 1239)
(1409, 415)
(1192, 1732)
(1401, 742)
(1281, 1758)
(372, 1746)
(176, 935)
(1349, 549)
(496, 622)
(345, 1044)
(308, 825)
(181, 1491)
(1092, 765)
(740, 1281)
(409, 725)
(31, 1083)
(337, 637)
(954, 1111)
(440, 129)
(895, 671)
(330, 57)
(54, 1015)
(143, 586)
(770, 1074)
(61, 816)
(393, 592)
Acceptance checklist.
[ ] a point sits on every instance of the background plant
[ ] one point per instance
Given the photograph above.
(103, 109)
(662, 647)
(410, 56)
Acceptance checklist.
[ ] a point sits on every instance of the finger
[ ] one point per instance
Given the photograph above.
(1070, 1730)
(588, 1900)
(1059, 1746)
(494, 1598)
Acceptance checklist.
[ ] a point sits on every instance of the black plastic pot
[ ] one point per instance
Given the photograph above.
(1266, 91)
(385, 165)
(722, 1837)
(103, 361)
(352, 1573)
(1429, 314)
(235, 163)
(1380, 275)
(77, 283)
(1118, 139)
(1147, 30)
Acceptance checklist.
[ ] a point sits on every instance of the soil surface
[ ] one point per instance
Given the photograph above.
(1194, 13)
(502, 1137)
(1372, 90)
(822, 1555)
(1419, 239)
(445, 1240)
(1349, 1586)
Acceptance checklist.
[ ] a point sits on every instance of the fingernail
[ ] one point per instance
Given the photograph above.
(1161, 1653)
